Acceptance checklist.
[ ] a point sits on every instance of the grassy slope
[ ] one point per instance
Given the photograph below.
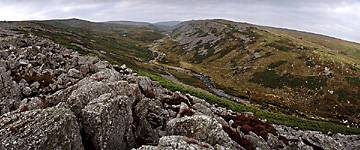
(336, 45)
(296, 84)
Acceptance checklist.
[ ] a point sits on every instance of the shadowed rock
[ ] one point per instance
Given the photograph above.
(107, 122)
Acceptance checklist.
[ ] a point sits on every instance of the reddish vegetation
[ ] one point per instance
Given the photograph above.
(205, 145)
(43, 79)
(24, 108)
(250, 123)
(191, 141)
(234, 135)
(45, 103)
(284, 140)
(177, 98)
(12, 129)
(187, 112)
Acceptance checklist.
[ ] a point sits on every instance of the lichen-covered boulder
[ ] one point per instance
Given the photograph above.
(106, 81)
(178, 143)
(146, 87)
(202, 128)
(107, 123)
(52, 128)
(150, 121)
(10, 91)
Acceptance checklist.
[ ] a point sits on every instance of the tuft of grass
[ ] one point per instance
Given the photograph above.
(277, 64)
(271, 117)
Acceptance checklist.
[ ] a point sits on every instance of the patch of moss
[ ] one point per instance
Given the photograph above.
(269, 78)
(353, 80)
(282, 45)
(277, 64)
(342, 94)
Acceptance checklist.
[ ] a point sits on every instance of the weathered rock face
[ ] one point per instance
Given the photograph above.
(179, 143)
(31, 66)
(10, 91)
(202, 128)
(52, 98)
(52, 128)
(317, 140)
(150, 120)
(107, 122)
(146, 87)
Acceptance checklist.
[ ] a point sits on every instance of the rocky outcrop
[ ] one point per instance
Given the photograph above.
(202, 128)
(317, 140)
(179, 143)
(51, 128)
(107, 121)
(53, 98)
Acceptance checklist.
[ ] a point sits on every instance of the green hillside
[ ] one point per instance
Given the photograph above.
(289, 71)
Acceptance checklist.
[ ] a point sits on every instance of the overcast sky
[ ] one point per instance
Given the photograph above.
(338, 18)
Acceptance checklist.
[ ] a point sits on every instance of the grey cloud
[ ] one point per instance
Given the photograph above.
(339, 18)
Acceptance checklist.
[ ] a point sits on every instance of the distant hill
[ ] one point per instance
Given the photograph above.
(131, 23)
(167, 26)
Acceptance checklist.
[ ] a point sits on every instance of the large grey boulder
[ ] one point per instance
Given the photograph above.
(107, 122)
(80, 94)
(178, 143)
(74, 73)
(202, 128)
(146, 87)
(321, 141)
(52, 128)
(151, 120)
(10, 91)
(316, 140)
(103, 104)
(257, 141)
(351, 142)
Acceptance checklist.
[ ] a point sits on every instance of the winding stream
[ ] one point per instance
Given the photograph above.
(210, 84)
(207, 82)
